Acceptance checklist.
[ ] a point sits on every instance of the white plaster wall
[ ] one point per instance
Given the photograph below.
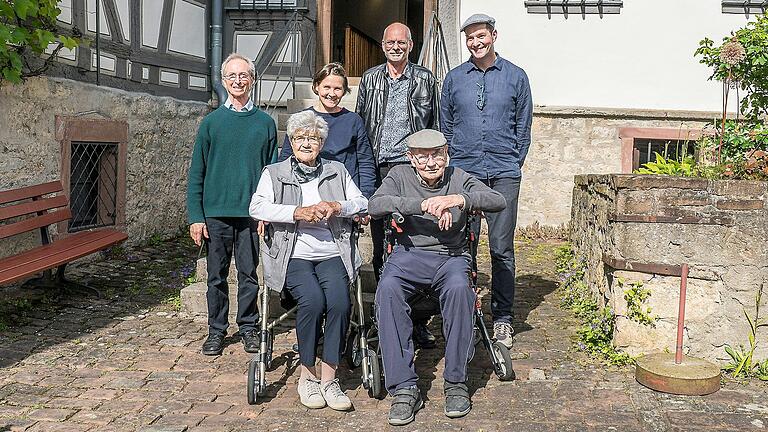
(640, 58)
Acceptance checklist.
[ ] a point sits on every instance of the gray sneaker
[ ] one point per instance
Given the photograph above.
(405, 403)
(503, 333)
(457, 403)
(335, 397)
(309, 393)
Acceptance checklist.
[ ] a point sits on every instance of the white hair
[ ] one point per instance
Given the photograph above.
(384, 36)
(238, 56)
(307, 120)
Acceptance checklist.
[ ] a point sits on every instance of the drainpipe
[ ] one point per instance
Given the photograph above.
(217, 22)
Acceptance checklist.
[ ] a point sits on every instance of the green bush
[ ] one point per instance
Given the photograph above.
(27, 27)
(746, 66)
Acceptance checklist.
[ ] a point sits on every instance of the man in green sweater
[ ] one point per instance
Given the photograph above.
(234, 143)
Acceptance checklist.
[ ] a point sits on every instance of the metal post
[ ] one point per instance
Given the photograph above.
(217, 24)
(98, 50)
(681, 315)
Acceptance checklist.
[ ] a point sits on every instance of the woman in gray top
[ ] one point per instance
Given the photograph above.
(309, 203)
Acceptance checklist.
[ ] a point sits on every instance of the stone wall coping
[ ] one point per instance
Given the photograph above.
(645, 181)
(625, 113)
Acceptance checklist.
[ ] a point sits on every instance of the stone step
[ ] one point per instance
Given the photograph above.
(194, 302)
(303, 90)
(364, 244)
(296, 105)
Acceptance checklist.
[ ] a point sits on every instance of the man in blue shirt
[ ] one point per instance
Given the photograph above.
(485, 113)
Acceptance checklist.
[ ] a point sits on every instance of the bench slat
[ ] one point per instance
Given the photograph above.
(43, 251)
(57, 253)
(32, 207)
(12, 195)
(35, 222)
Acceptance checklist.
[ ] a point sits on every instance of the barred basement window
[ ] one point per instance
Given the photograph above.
(745, 7)
(93, 171)
(93, 185)
(579, 7)
(644, 150)
(640, 145)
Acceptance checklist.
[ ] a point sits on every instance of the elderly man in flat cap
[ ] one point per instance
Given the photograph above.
(485, 114)
(430, 255)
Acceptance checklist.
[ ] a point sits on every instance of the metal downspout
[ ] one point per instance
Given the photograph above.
(217, 25)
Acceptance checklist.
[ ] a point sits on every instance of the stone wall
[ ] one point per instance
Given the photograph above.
(717, 227)
(570, 141)
(161, 133)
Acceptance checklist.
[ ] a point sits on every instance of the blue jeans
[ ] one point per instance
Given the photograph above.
(501, 242)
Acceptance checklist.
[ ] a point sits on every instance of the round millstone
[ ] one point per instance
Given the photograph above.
(693, 376)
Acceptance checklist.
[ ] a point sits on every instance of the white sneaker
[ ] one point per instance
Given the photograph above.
(335, 397)
(309, 393)
(503, 333)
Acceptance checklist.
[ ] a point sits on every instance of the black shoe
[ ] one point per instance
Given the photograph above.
(422, 338)
(251, 340)
(214, 344)
(457, 403)
(405, 403)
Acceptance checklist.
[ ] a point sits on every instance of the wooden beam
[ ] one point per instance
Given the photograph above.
(324, 26)
(651, 268)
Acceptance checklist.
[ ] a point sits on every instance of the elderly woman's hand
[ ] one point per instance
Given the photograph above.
(329, 208)
(309, 214)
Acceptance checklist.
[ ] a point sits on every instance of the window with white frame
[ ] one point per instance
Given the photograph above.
(574, 7)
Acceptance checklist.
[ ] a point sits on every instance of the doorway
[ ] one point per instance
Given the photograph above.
(357, 26)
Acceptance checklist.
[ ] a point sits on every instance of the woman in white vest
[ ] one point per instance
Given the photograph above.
(309, 204)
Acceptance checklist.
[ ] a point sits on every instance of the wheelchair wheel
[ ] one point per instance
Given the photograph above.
(504, 370)
(354, 355)
(376, 384)
(253, 369)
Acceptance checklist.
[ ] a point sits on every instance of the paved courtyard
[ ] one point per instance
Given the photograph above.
(131, 361)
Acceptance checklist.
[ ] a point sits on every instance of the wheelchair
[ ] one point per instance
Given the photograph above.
(363, 349)
(261, 362)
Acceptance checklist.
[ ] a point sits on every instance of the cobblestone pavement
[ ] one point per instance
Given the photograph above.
(130, 361)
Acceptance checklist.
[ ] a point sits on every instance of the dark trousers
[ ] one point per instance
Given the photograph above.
(447, 279)
(321, 289)
(501, 242)
(226, 234)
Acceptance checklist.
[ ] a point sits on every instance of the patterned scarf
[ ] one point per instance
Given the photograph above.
(305, 173)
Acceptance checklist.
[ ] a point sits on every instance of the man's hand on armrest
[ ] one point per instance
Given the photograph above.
(437, 205)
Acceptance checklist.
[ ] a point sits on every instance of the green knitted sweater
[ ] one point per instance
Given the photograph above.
(231, 150)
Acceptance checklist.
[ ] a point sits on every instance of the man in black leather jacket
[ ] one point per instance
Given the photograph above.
(396, 99)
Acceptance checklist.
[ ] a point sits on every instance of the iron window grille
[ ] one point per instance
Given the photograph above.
(93, 185)
(266, 4)
(745, 6)
(579, 7)
(644, 150)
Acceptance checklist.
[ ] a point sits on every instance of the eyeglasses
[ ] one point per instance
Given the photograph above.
(480, 103)
(391, 43)
(235, 77)
(422, 159)
(309, 139)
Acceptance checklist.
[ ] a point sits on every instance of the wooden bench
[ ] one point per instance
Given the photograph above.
(15, 207)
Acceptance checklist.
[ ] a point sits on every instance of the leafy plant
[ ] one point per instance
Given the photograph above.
(596, 333)
(742, 359)
(671, 167)
(27, 28)
(740, 138)
(636, 296)
(748, 69)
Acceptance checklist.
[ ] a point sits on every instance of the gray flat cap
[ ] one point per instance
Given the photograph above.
(426, 139)
(478, 19)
